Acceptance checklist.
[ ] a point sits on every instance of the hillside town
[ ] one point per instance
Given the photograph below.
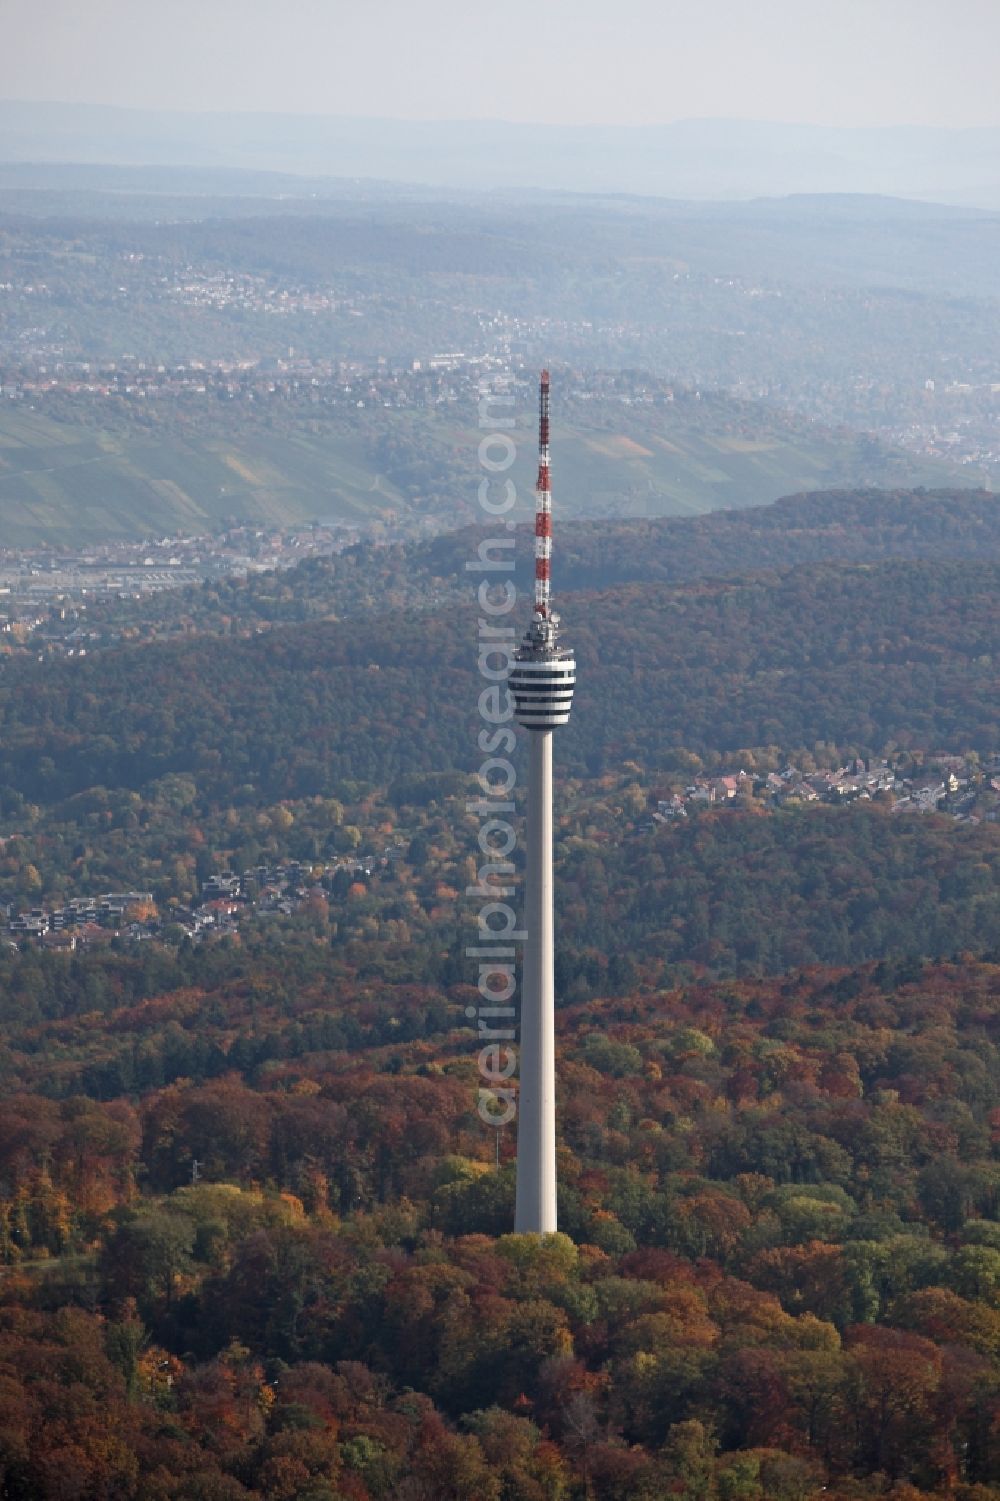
(962, 787)
(941, 411)
(226, 901)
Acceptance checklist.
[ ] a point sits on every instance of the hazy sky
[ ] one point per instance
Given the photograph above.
(854, 62)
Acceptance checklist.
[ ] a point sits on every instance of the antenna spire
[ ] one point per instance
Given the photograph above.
(543, 509)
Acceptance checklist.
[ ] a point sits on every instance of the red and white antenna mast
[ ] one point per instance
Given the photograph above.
(543, 510)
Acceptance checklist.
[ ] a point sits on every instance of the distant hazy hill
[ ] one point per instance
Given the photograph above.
(844, 307)
(687, 159)
(308, 225)
(70, 481)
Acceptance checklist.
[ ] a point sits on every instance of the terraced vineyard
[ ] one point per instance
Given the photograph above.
(110, 472)
(63, 483)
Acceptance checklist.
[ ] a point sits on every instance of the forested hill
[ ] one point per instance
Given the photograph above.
(149, 766)
(850, 526)
(777, 1279)
(855, 657)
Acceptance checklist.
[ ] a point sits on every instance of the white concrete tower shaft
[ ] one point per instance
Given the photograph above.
(535, 1207)
(542, 680)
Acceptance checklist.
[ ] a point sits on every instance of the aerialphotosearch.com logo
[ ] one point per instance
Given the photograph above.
(498, 932)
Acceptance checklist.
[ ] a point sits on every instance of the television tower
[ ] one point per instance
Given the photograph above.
(542, 679)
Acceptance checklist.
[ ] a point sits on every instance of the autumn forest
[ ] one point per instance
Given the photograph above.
(255, 1240)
